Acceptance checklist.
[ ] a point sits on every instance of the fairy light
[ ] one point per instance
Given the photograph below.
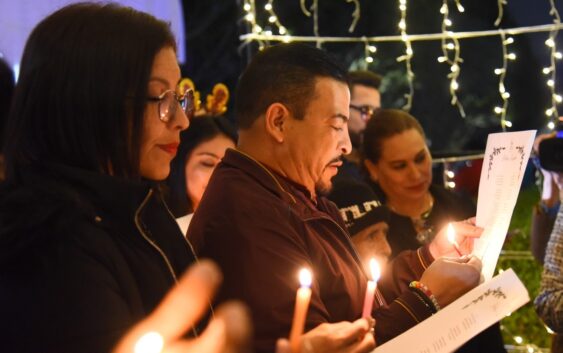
(501, 72)
(407, 57)
(451, 53)
(369, 50)
(273, 17)
(551, 70)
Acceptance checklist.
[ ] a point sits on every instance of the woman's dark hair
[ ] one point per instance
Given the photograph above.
(81, 91)
(385, 124)
(202, 129)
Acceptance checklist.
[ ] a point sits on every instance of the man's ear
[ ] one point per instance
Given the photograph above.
(276, 118)
(372, 169)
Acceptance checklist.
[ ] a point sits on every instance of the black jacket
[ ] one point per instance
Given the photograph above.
(83, 256)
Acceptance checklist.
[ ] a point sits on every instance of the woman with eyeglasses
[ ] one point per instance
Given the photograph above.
(399, 168)
(88, 246)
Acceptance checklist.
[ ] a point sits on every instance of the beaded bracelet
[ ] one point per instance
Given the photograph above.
(427, 303)
(422, 289)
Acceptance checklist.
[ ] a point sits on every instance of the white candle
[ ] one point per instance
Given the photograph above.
(301, 306)
(372, 286)
(451, 238)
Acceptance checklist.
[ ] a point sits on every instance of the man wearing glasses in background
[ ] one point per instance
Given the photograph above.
(365, 101)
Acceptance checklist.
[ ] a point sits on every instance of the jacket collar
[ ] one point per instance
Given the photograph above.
(91, 191)
(291, 192)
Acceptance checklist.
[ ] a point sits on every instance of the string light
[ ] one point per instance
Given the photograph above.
(273, 17)
(501, 72)
(501, 3)
(451, 53)
(408, 54)
(450, 45)
(369, 50)
(550, 71)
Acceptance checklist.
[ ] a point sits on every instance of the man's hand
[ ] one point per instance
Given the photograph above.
(228, 332)
(450, 278)
(340, 337)
(466, 232)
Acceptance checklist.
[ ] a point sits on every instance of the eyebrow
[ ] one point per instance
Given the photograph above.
(208, 154)
(163, 81)
(402, 160)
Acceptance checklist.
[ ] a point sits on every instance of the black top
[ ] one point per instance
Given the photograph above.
(83, 256)
(448, 207)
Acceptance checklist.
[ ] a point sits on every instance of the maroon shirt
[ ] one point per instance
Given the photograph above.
(262, 229)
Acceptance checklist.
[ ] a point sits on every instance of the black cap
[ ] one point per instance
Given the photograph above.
(359, 205)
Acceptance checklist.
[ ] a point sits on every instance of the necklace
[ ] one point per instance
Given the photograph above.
(424, 230)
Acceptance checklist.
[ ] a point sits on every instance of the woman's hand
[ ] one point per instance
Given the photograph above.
(228, 332)
(465, 234)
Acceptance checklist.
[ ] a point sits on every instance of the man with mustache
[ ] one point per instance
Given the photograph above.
(263, 216)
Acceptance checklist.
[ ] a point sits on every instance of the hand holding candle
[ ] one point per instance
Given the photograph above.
(372, 286)
(451, 239)
(301, 306)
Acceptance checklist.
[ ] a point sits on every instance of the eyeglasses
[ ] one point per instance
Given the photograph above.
(366, 111)
(167, 104)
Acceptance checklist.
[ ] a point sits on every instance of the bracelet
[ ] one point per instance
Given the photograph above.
(425, 292)
(425, 302)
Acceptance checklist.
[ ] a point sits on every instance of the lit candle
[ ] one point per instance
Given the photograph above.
(372, 285)
(451, 238)
(151, 342)
(301, 306)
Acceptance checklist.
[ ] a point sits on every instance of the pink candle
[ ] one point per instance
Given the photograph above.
(372, 286)
(451, 238)
(301, 306)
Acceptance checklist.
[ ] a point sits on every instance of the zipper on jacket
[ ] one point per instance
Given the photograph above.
(149, 240)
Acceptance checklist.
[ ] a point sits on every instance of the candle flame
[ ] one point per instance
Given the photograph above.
(305, 278)
(451, 234)
(151, 342)
(375, 270)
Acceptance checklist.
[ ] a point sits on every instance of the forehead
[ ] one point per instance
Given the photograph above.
(366, 95)
(165, 69)
(403, 145)
(330, 95)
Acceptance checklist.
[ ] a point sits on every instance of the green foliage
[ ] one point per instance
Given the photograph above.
(524, 322)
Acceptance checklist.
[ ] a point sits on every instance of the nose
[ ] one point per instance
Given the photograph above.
(345, 143)
(414, 171)
(181, 121)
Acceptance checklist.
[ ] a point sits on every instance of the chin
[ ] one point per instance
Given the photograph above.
(157, 174)
(323, 188)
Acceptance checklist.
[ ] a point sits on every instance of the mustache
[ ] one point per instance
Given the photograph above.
(335, 160)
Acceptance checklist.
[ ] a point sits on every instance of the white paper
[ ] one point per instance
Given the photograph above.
(463, 319)
(504, 163)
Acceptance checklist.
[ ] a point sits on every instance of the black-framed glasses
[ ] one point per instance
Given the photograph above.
(366, 111)
(168, 102)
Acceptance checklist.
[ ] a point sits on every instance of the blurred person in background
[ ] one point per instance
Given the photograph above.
(202, 147)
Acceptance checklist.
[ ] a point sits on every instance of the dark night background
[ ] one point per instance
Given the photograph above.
(215, 54)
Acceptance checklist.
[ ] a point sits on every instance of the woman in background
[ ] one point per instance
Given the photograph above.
(399, 166)
(201, 148)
